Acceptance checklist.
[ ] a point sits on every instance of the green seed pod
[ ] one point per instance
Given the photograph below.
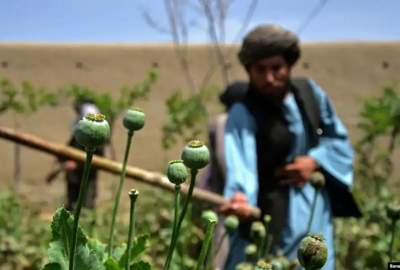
(393, 211)
(231, 223)
(209, 216)
(312, 252)
(251, 252)
(257, 230)
(177, 172)
(195, 155)
(92, 131)
(244, 266)
(293, 265)
(133, 194)
(282, 260)
(267, 219)
(276, 265)
(133, 119)
(263, 265)
(317, 180)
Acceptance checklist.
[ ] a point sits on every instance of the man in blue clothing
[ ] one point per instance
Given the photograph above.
(272, 149)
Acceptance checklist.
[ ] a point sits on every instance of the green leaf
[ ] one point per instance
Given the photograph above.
(138, 246)
(61, 228)
(186, 117)
(141, 265)
(112, 264)
(58, 254)
(98, 248)
(86, 259)
(119, 251)
(59, 250)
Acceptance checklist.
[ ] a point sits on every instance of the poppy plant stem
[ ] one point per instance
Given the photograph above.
(201, 262)
(260, 247)
(133, 194)
(81, 199)
(177, 204)
(193, 173)
(314, 203)
(119, 191)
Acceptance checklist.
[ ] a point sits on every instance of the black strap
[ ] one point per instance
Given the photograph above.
(273, 144)
(310, 111)
(342, 201)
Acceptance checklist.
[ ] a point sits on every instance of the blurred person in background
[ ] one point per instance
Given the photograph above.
(73, 169)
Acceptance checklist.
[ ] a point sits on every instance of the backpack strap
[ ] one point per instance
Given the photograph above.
(342, 201)
(309, 107)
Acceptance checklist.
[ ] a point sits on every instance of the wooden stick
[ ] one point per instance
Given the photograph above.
(147, 177)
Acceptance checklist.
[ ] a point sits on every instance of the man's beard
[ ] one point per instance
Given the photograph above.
(275, 95)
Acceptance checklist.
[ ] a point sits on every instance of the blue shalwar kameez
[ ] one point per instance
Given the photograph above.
(333, 154)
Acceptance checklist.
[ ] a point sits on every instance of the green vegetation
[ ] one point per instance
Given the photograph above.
(165, 238)
(71, 249)
(187, 116)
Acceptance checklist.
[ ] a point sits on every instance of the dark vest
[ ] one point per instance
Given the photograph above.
(274, 143)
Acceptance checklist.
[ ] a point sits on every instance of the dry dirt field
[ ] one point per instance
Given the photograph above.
(349, 72)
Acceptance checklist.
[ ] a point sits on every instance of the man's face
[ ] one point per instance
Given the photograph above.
(270, 76)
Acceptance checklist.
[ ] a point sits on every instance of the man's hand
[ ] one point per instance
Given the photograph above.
(238, 205)
(69, 165)
(298, 172)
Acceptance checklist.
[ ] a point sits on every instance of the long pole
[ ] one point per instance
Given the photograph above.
(150, 178)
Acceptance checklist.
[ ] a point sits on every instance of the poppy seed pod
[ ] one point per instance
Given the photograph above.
(317, 180)
(262, 265)
(312, 252)
(231, 223)
(92, 131)
(195, 155)
(133, 194)
(133, 119)
(250, 250)
(209, 216)
(257, 230)
(294, 264)
(177, 172)
(267, 219)
(244, 266)
(280, 260)
(276, 265)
